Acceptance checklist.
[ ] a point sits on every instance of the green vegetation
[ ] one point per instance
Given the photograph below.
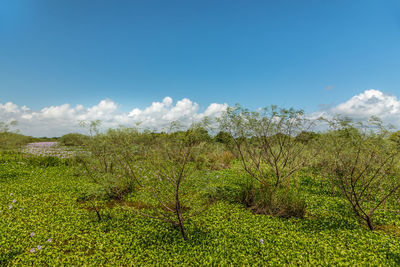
(11, 139)
(265, 190)
(363, 164)
(73, 139)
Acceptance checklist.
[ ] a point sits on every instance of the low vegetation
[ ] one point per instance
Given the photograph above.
(265, 190)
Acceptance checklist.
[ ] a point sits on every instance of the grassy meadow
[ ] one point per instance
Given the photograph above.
(187, 198)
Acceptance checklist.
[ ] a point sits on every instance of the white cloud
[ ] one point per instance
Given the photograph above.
(167, 101)
(59, 120)
(55, 112)
(9, 107)
(215, 110)
(183, 110)
(369, 103)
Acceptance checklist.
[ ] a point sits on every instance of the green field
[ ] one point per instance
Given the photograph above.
(47, 209)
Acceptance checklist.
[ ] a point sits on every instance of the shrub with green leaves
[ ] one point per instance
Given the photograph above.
(113, 161)
(363, 163)
(10, 141)
(161, 166)
(285, 201)
(73, 139)
(225, 234)
(266, 142)
(170, 181)
(282, 202)
(270, 145)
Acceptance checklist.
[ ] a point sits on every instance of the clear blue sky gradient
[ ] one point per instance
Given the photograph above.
(256, 53)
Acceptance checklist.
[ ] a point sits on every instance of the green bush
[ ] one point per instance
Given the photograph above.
(363, 165)
(224, 138)
(225, 234)
(117, 186)
(74, 139)
(48, 161)
(10, 140)
(213, 157)
(284, 202)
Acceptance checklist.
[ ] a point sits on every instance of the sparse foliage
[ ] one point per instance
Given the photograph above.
(170, 177)
(266, 142)
(160, 165)
(74, 139)
(6, 127)
(363, 164)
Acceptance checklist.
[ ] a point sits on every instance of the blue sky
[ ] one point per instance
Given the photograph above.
(300, 54)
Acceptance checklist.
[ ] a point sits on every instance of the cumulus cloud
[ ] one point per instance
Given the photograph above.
(369, 103)
(59, 120)
(9, 107)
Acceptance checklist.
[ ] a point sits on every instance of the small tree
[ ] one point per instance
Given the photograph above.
(363, 164)
(265, 141)
(395, 139)
(266, 144)
(170, 178)
(10, 138)
(223, 137)
(111, 158)
(6, 127)
(160, 166)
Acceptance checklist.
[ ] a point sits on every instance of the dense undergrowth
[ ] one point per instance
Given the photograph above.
(265, 190)
(47, 213)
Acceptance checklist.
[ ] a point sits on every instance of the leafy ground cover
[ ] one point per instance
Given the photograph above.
(43, 223)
